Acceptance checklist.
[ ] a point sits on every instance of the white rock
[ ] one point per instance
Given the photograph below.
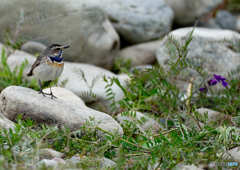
(139, 21)
(140, 54)
(81, 24)
(19, 100)
(188, 11)
(47, 153)
(149, 124)
(64, 94)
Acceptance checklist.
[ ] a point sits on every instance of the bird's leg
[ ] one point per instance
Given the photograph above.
(51, 90)
(40, 85)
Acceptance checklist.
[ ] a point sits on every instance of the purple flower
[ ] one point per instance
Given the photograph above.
(222, 79)
(219, 78)
(212, 82)
(203, 89)
(224, 83)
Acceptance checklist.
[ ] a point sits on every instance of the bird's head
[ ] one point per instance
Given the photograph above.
(56, 49)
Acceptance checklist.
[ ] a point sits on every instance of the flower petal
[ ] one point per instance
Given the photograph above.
(219, 78)
(212, 82)
(203, 89)
(224, 83)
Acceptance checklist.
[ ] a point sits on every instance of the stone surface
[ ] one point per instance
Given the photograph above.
(226, 20)
(47, 153)
(33, 47)
(19, 100)
(233, 154)
(5, 123)
(188, 11)
(64, 94)
(206, 50)
(149, 124)
(140, 54)
(139, 21)
(81, 24)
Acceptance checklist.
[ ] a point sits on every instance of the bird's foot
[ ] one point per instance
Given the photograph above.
(40, 91)
(52, 95)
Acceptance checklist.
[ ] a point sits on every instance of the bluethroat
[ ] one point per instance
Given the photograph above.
(48, 66)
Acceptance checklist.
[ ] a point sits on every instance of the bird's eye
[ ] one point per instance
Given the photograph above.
(57, 49)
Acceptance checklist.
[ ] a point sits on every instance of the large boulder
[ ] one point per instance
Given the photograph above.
(188, 11)
(207, 50)
(16, 100)
(139, 21)
(81, 24)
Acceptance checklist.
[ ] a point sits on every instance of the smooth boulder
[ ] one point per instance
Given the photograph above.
(16, 100)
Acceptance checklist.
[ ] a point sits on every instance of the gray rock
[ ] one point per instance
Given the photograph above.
(206, 50)
(6, 123)
(150, 123)
(226, 20)
(64, 94)
(188, 11)
(140, 54)
(19, 100)
(233, 154)
(47, 153)
(81, 24)
(139, 21)
(33, 47)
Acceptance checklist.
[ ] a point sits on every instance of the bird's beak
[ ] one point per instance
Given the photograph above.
(65, 47)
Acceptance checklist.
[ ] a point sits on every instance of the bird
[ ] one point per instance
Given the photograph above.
(48, 66)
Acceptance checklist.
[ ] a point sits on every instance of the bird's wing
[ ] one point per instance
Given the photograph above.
(37, 62)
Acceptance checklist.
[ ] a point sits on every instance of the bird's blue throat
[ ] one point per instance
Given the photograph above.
(58, 58)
